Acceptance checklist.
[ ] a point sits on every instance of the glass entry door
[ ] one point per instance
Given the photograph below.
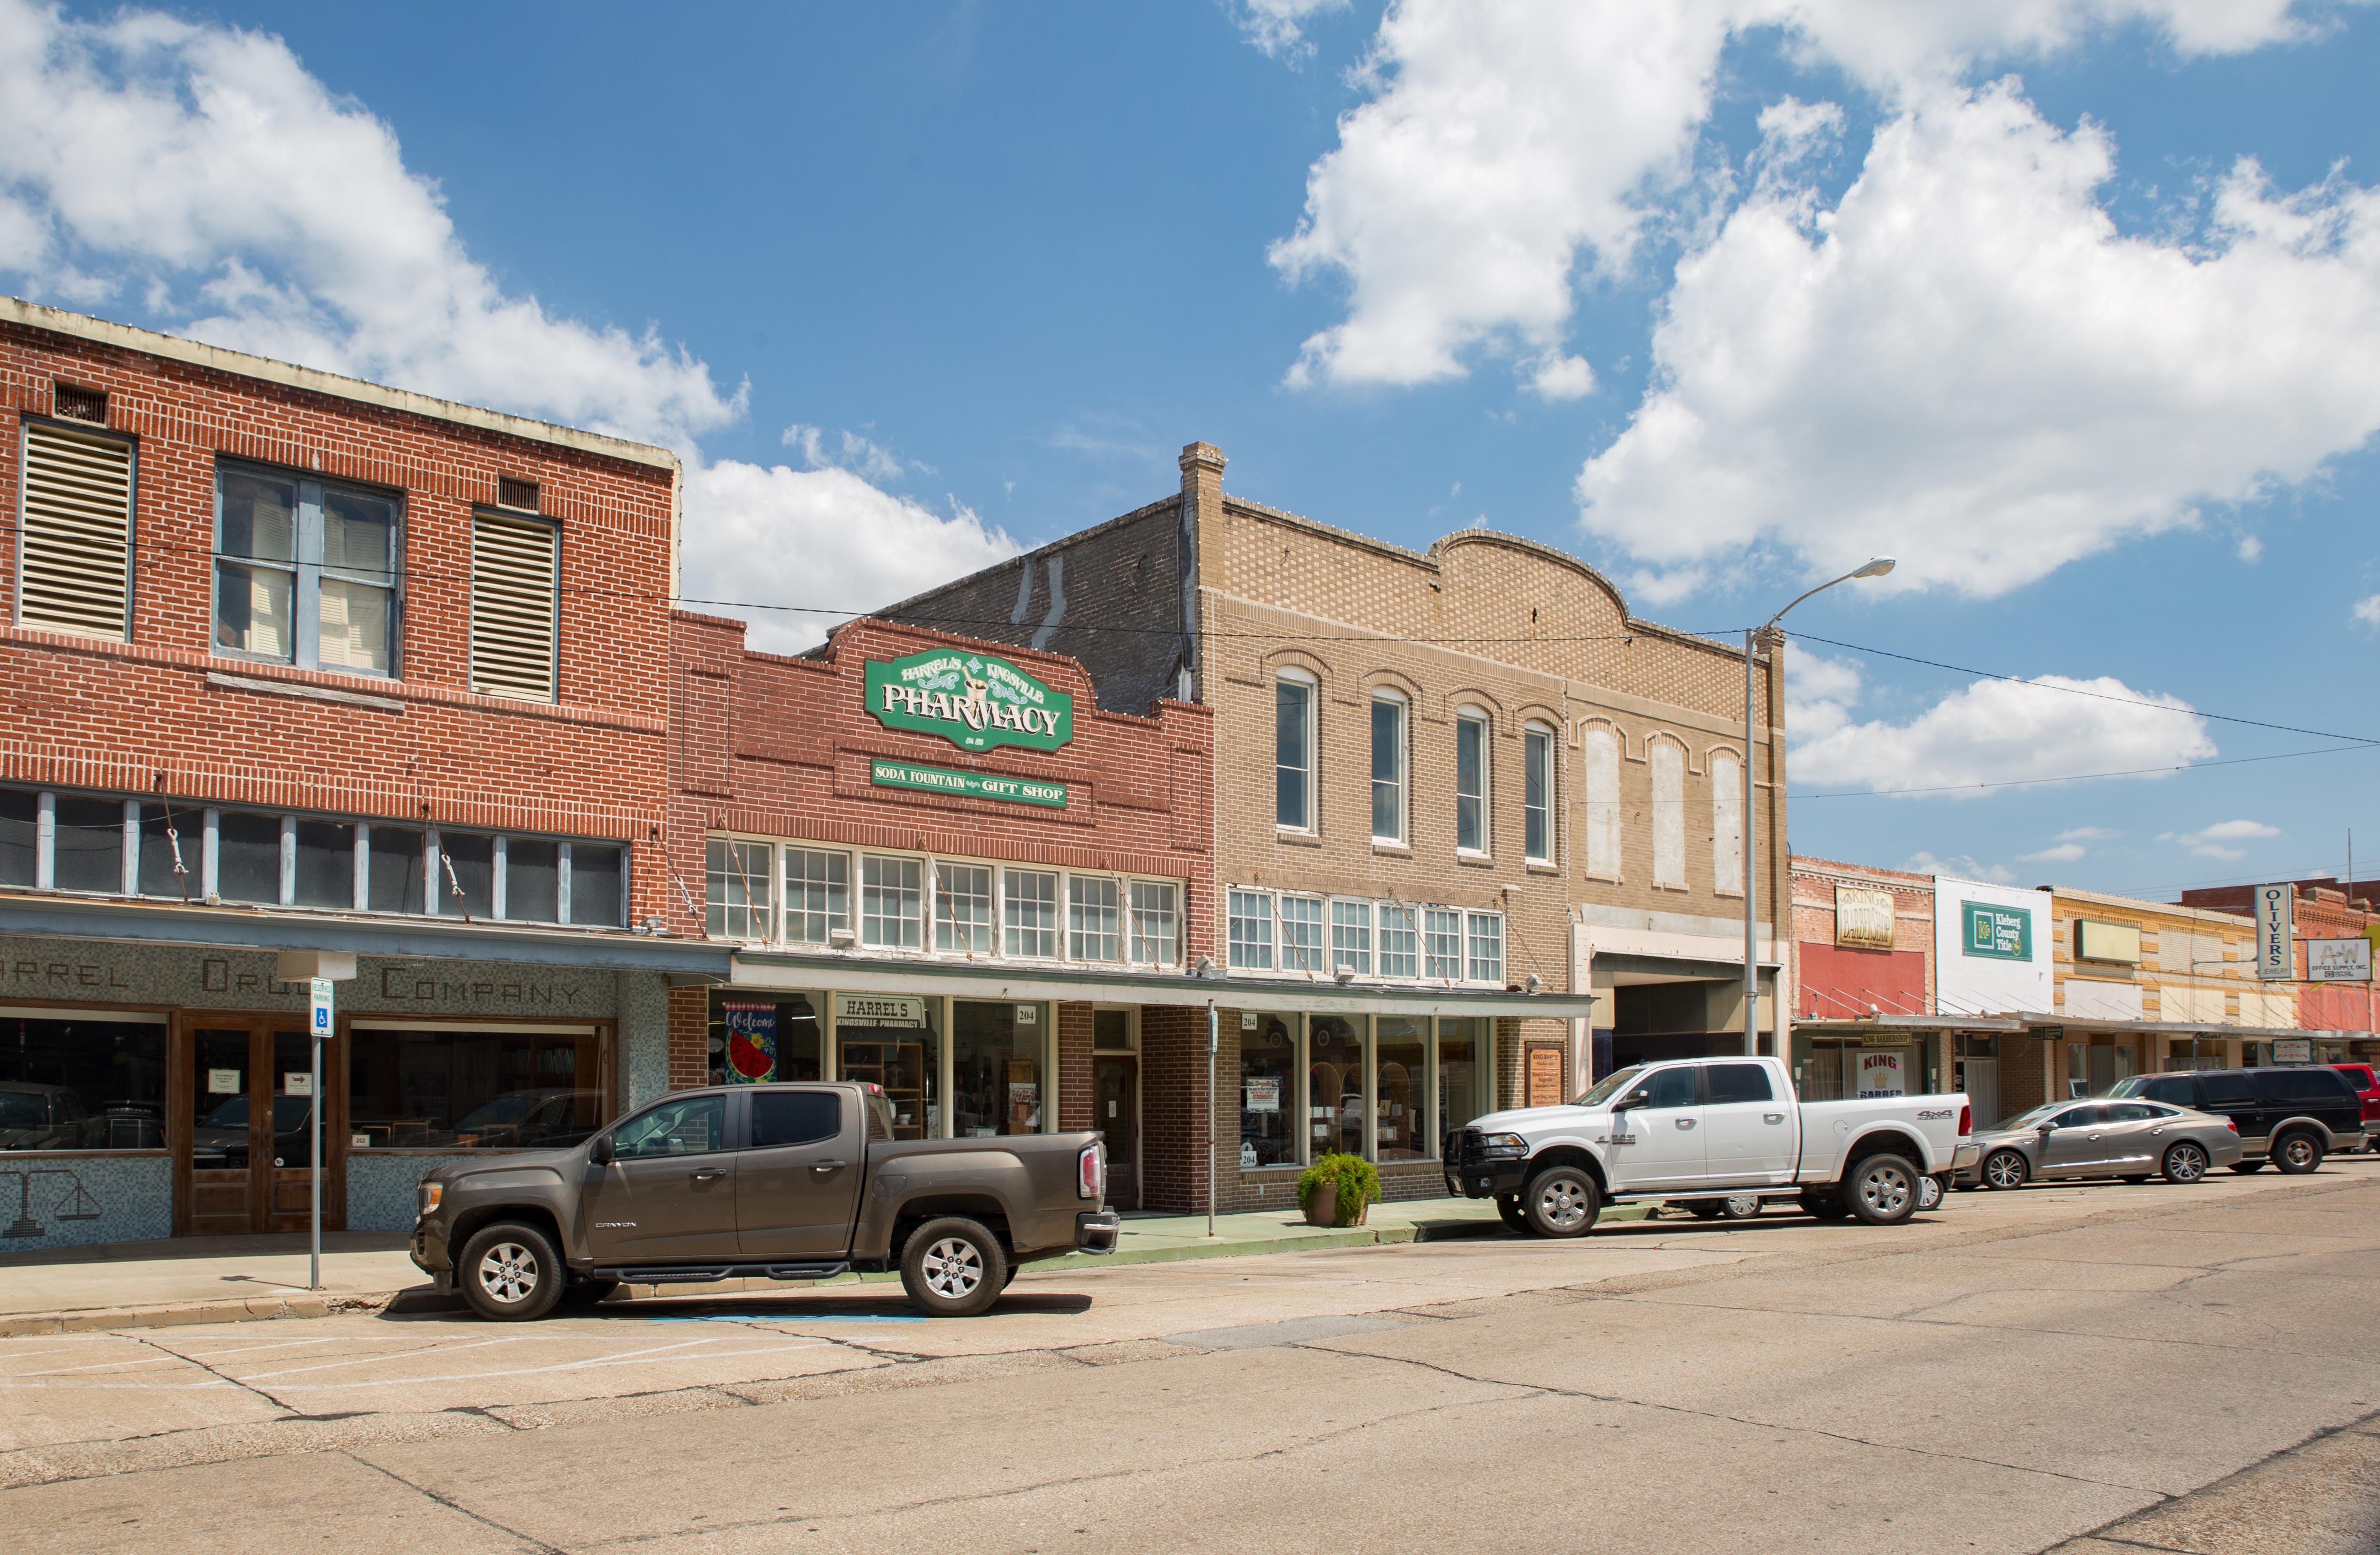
(247, 1152)
(1115, 1112)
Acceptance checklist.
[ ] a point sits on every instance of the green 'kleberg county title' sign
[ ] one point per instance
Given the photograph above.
(974, 701)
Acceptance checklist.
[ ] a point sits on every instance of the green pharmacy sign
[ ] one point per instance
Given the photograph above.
(975, 701)
(2004, 933)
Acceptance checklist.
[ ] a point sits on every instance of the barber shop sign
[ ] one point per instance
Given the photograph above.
(974, 701)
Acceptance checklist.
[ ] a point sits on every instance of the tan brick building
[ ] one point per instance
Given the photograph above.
(1475, 821)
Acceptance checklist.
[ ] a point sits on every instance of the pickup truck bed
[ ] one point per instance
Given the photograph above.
(784, 1181)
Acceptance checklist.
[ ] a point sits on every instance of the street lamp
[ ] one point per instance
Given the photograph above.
(1752, 639)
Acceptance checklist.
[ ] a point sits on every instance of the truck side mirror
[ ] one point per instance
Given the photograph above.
(1640, 1097)
(601, 1153)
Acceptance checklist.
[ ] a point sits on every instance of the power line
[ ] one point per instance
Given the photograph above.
(2095, 695)
(2074, 777)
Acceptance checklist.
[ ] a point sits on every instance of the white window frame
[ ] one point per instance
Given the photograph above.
(307, 572)
(1313, 957)
(1538, 765)
(760, 919)
(1133, 892)
(1056, 931)
(1476, 718)
(947, 923)
(1400, 783)
(924, 915)
(1434, 966)
(1409, 916)
(1118, 932)
(1351, 941)
(1312, 824)
(835, 922)
(1472, 939)
(1250, 908)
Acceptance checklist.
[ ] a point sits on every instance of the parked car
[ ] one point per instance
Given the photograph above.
(1707, 1130)
(2134, 1140)
(780, 1182)
(39, 1117)
(2366, 1084)
(2292, 1116)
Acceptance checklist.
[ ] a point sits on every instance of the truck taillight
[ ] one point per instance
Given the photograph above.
(1966, 1120)
(1092, 1168)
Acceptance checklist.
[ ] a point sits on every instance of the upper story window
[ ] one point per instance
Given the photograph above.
(1032, 916)
(817, 894)
(1727, 821)
(516, 567)
(1600, 746)
(1156, 922)
(739, 877)
(1388, 766)
(73, 567)
(1669, 764)
(1292, 719)
(963, 908)
(1471, 780)
(1094, 918)
(1251, 929)
(1538, 794)
(1400, 940)
(306, 570)
(892, 902)
(1350, 936)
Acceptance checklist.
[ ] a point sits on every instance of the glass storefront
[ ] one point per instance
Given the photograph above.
(1368, 1085)
(1334, 1095)
(2093, 1065)
(997, 1062)
(894, 1040)
(1401, 1052)
(1267, 1092)
(81, 1080)
(469, 1087)
(1849, 1070)
(1463, 1090)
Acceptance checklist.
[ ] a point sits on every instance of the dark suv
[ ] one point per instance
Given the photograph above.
(2292, 1116)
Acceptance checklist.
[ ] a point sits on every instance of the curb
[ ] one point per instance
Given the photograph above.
(326, 1305)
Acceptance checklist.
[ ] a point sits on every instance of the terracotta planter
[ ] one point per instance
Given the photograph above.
(1322, 1205)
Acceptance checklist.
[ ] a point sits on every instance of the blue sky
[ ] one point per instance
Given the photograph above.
(1721, 296)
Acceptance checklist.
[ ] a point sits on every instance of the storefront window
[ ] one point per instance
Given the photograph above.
(395, 884)
(1400, 1087)
(20, 821)
(996, 1068)
(326, 865)
(89, 844)
(2092, 1068)
(1268, 1093)
(1335, 1084)
(72, 1080)
(1462, 1071)
(963, 908)
(755, 1040)
(467, 877)
(1032, 905)
(463, 1088)
(894, 1040)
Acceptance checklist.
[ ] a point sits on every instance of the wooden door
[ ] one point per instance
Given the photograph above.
(217, 1146)
(245, 1152)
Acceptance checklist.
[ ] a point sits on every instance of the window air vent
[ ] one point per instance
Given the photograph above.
(513, 567)
(76, 571)
(519, 495)
(81, 404)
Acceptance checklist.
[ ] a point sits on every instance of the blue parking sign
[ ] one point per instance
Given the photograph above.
(318, 1020)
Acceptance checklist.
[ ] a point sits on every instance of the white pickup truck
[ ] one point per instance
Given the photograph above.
(1703, 1131)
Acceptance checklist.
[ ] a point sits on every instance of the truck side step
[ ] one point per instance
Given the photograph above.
(668, 1274)
(805, 1271)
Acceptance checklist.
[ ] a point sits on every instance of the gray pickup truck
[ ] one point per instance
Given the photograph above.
(780, 1182)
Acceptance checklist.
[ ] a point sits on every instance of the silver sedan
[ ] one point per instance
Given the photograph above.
(2134, 1140)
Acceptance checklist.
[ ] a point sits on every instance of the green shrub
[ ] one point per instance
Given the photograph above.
(1358, 1181)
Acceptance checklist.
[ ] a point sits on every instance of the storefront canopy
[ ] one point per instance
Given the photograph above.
(265, 928)
(875, 975)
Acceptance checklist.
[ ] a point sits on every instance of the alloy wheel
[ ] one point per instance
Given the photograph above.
(2185, 1163)
(2297, 1151)
(508, 1273)
(1563, 1204)
(2005, 1170)
(1885, 1188)
(953, 1269)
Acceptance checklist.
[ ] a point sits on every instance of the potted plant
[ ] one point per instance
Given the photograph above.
(1338, 1190)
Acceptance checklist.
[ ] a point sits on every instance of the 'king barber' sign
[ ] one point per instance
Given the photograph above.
(974, 701)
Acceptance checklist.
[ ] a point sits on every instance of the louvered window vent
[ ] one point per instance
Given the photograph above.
(519, 495)
(74, 571)
(81, 404)
(513, 574)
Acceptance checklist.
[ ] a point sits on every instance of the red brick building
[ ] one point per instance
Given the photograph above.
(949, 873)
(309, 673)
(2347, 1013)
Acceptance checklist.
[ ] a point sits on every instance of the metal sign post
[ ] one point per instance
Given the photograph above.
(318, 1028)
(1214, 1040)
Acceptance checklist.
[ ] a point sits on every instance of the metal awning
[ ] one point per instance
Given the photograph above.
(829, 973)
(269, 928)
(1910, 1024)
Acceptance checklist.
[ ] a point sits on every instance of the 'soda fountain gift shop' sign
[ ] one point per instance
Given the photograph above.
(975, 701)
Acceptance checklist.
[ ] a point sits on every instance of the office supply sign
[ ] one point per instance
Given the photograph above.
(2277, 952)
(975, 701)
(2339, 960)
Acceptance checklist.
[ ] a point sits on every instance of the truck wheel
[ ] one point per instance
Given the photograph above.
(953, 1267)
(587, 1293)
(1508, 1209)
(2185, 1162)
(2005, 1168)
(510, 1272)
(1741, 1206)
(1930, 1194)
(1882, 1190)
(2296, 1154)
(1562, 1201)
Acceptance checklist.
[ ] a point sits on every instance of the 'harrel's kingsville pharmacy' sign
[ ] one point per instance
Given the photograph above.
(974, 701)
(2002, 933)
(972, 785)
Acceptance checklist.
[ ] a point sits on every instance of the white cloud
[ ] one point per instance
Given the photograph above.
(1961, 866)
(201, 174)
(2367, 610)
(1278, 27)
(1965, 364)
(2251, 548)
(1507, 142)
(822, 536)
(2064, 852)
(2209, 842)
(2088, 834)
(1990, 732)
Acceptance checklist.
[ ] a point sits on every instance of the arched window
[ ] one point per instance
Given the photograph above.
(1602, 797)
(1727, 821)
(1668, 811)
(1388, 766)
(1538, 793)
(1470, 780)
(1292, 718)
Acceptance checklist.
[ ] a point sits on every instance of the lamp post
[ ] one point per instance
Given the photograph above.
(1752, 639)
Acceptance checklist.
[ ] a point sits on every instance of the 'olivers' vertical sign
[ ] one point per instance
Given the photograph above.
(975, 701)
(2276, 951)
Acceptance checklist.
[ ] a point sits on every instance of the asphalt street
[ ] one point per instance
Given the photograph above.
(2102, 1367)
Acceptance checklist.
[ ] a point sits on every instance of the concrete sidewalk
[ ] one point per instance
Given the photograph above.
(237, 1279)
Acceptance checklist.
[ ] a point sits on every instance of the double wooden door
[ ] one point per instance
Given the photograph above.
(242, 1136)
